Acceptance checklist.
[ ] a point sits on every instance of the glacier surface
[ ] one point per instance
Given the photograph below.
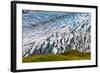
(46, 32)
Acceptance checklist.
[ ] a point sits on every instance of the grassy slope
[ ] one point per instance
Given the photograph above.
(68, 55)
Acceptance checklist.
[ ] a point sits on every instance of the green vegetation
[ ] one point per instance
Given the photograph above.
(68, 55)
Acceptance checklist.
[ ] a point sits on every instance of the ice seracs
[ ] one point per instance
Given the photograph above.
(55, 32)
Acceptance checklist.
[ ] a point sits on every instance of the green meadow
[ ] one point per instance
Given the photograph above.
(66, 56)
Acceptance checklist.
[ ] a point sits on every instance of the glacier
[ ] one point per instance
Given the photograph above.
(46, 32)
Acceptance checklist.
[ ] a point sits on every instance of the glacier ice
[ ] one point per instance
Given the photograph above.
(46, 32)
